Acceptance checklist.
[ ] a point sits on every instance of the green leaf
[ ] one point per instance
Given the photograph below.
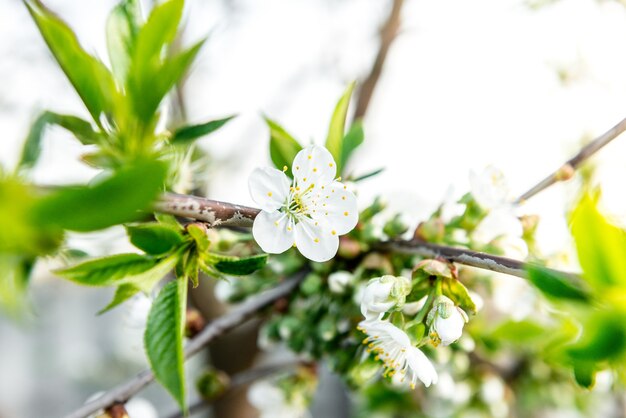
(15, 274)
(604, 338)
(522, 333)
(81, 129)
(148, 88)
(368, 175)
(122, 294)
(334, 140)
(456, 291)
(186, 134)
(91, 79)
(585, 374)
(154, 238)
(122, 28)
(601, 246)
(109, 270)
(239, 266)
(199, 234)
(115, 200)
(158, 32)
(351, 141)
(283, 147)
(555, 284)
(163, 338)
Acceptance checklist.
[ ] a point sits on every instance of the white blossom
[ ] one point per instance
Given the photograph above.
(339, 281)
(446, 321)
(489, 188)
(399, 356)
(382, 294)
(310, 212)
(272, 402)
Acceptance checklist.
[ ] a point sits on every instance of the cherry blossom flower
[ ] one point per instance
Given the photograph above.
(310, 212)
(399, 356)
(271, 402)
(382, 294)
(446, 321)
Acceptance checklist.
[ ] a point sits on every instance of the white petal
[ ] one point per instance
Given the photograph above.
(337, 206)
(489, 188)
(314, 242)
(499, 222)
(314, 165)
(273, 231)
(451, 328)
(422, 366)
(269, 188)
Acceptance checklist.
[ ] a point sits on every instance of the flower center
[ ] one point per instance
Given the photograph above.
(297, 203)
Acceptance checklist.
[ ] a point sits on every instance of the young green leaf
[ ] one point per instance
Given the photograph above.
(109, 270)
(14, 278)
(154, 238)
(122, 29)
(604, 338)
(351, 141)
(116, 200)
(283, 146)
(157, 33)
(555, 285)
(239, 266)
(91, 79)
(601, 246)
(187, 134)
(81, 129)
(199, 235)
(585, 373)
(334, 140)
(163, 338)
(456, 291)
(122, 294)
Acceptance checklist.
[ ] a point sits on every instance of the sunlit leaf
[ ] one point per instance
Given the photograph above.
(456, 291)
(283, 146)
(15, 274)
(239, 266)
(115, 200)
(122, 294)
(91, 79)
(351, 141)
(604, 338)
(555, 284)
(109, 270)
(187, 134)
(153, 238)
(163, 338)
(336, 130)
(122, 29)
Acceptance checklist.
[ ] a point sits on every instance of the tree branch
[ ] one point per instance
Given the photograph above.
(123, 392)
(467, 257)
(566, 171)
(387, 35)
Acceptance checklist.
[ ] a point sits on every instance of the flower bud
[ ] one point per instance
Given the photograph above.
(339, 281)
(382, 294)
(446, 321)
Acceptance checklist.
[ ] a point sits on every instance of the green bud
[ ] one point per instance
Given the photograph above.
(212, 384)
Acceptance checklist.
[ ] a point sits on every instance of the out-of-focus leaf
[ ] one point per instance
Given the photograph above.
(81, 129)
(122, 294)
(334, 140)
(158, 32)
(154, 238)
(368, 175)
(187, 134)
(239, 266)
(108, 271)
(519, 332)
(601, 246)
(199, 235)
(351, 141)
(555, 285)
(604, 338)
(585, 374)
(283, 146)
(14, 277)
(456, 291)
(163, 338)
(148, 88)
(122, 29)
(116, 200)
(91, 79)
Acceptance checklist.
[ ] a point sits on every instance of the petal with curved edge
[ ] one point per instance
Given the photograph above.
(336, 206)
(314, 242)
(422, 367)
(314, 165)
(273, 231)
(269, 188)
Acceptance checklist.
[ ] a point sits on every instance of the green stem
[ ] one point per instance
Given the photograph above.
(429, 300)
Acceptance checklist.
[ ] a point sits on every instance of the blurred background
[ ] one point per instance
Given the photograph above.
(511, 83)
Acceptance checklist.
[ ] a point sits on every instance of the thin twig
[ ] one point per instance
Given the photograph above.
(566, 171)
(239, 380)
(387, 35)
(467, 257)
(221, 325)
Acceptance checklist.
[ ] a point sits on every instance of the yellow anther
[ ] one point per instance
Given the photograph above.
(343, 198)
(315, 170)
(269, 194)
(309, 157)
(316, 223)
(285, 168)
(331, 165)
(288, 228)
(345, 187)
(297, 167)
(276, 223)
(333, 232)
(323, 187)
(316, 240)
(304, 179)
(345, 214)
(326, 214)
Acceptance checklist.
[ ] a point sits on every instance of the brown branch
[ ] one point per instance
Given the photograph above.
(566, 171)
(387, 35)
(123, 392)
(213, 212)
(468, 257)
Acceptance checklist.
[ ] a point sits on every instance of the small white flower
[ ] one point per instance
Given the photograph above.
(446, 321)
(271, 401)
(311, 212)
(382, 294)
(399, 356)
(489, 188)
(339, 281)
